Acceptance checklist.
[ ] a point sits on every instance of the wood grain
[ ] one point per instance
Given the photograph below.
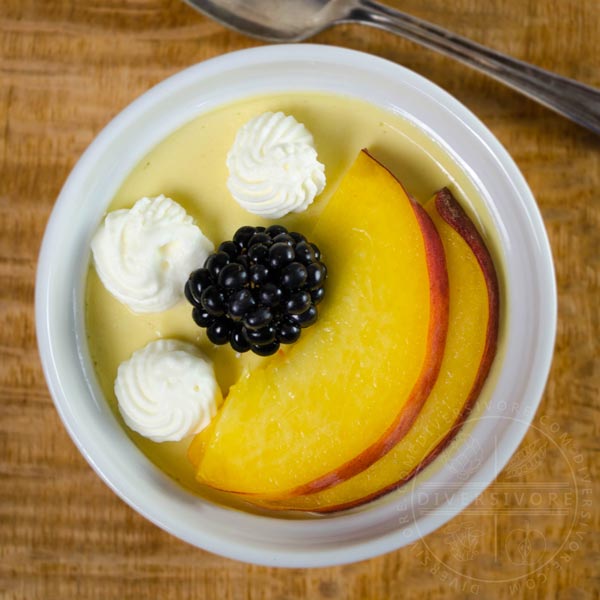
(66, 68)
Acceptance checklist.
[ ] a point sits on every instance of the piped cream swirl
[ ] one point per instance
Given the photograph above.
(273, 166)
(167, 391)
(144, 254)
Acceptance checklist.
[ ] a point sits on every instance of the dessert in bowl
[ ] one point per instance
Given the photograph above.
(174, 141)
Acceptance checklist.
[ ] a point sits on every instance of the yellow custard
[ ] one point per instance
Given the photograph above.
(189, 166)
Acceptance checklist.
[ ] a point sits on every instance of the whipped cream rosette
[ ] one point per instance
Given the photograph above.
(167, 391)
(144, 254)
(273, 166)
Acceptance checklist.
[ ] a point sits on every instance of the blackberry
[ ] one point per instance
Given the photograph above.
(258, 290)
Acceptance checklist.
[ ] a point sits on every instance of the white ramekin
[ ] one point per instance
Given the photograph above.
(529, 297)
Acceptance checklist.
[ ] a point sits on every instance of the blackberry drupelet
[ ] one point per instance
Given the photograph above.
(259, 290)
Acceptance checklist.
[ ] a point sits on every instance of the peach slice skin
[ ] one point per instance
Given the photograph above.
(311, 416)
(469, 353)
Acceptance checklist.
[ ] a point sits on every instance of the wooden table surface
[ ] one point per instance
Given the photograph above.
(66, 68)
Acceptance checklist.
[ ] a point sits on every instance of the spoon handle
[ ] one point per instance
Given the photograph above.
(574, 100)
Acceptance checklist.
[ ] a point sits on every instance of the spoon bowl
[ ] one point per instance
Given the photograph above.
(273, 20)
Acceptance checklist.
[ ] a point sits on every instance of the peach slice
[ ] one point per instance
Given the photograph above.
(343, 395)
(470, 350)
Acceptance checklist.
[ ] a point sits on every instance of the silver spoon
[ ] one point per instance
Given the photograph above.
(297, 20)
